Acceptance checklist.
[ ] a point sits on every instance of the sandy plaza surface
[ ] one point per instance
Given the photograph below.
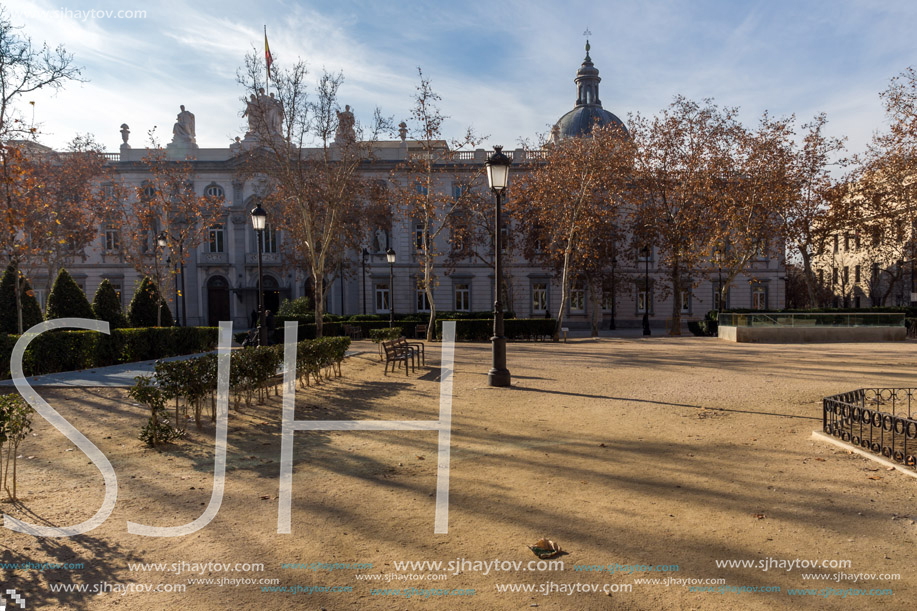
(674, 473)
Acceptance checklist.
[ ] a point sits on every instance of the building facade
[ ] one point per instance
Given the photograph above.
(221, 281)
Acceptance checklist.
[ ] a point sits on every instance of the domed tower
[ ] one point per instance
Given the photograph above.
(588, 110)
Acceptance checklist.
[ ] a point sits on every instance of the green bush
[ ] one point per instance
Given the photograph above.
(69, 350)
(15, 426)
(384, 335)
(67, 300)
(107, 306)
(299, 309)
(513, 329)
(158, 429)
(707, 327)
(31, 312)
(142, 311)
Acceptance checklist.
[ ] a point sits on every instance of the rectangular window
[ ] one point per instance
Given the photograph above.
(383, 303)
(539, 297)
(418, 236)
(578, 299)
(641, 302)
(846, 274)
(458, 191)
(847, 241)
(269, 239)
(833, 276)
(112, 238)
(856, 273)
(215, 238)
(758, 297)
(422, 303)
(463, 297)
(685, 302)
(836, 242)
(856, 241)
(717, 296)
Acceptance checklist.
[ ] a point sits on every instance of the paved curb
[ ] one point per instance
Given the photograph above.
(821, 436)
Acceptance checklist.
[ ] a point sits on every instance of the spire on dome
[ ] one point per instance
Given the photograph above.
(588, 59)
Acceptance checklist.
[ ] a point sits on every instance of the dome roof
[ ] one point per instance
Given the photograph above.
(588, 111)
(581, 120)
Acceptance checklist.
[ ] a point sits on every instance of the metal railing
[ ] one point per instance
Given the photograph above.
(817, 319)
(881, 420)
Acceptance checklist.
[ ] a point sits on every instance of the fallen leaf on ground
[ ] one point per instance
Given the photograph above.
(545, 548)
(759, 516)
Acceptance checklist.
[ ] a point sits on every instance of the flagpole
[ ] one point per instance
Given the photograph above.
(267, 78)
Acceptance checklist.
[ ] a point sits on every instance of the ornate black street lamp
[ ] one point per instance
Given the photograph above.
(363, 260)
(498, 179)
(718, 255)
(646, 293)
(390, 255)
(614, 263)
(259, 222)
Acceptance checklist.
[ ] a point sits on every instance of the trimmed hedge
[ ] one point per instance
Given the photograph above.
(71, 350)
(481, 330)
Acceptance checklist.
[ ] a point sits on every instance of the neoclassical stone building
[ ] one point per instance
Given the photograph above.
(221, 277)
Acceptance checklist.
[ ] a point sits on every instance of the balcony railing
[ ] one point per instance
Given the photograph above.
(213, 258)
(267, 258)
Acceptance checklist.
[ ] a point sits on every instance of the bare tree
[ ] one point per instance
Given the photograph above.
(321, 192)
(25, 67)
(427, 188)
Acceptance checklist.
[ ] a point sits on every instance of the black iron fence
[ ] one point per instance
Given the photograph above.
(881, 420)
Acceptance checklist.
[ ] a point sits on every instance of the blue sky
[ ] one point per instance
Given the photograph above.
(505, 68)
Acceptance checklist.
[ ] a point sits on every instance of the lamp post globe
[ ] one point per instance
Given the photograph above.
(259, 222)
(498, 180)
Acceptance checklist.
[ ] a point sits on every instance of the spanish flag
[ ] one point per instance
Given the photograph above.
(267, 54)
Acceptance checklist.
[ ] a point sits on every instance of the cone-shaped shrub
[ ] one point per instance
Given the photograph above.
(31, 312)
(142, 310)
(67, 300)
(107, 306)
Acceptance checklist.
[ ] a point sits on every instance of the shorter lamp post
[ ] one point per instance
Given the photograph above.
(498, 179)
(163, 241)
(259, 222)
(390, 255)
(718, 255)
(646, 291)
(614, 263)
(363, 260)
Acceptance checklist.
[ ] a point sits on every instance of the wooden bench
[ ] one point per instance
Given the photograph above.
(394, 353)
(353, 331)
(417, 347)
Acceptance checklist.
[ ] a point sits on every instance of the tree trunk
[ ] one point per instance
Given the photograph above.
(564, 282)
(17, 285)
(595, 302)
(676, 298)
(319, 285)
(809, 276)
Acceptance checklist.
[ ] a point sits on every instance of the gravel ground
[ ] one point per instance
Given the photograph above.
(657, 452)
